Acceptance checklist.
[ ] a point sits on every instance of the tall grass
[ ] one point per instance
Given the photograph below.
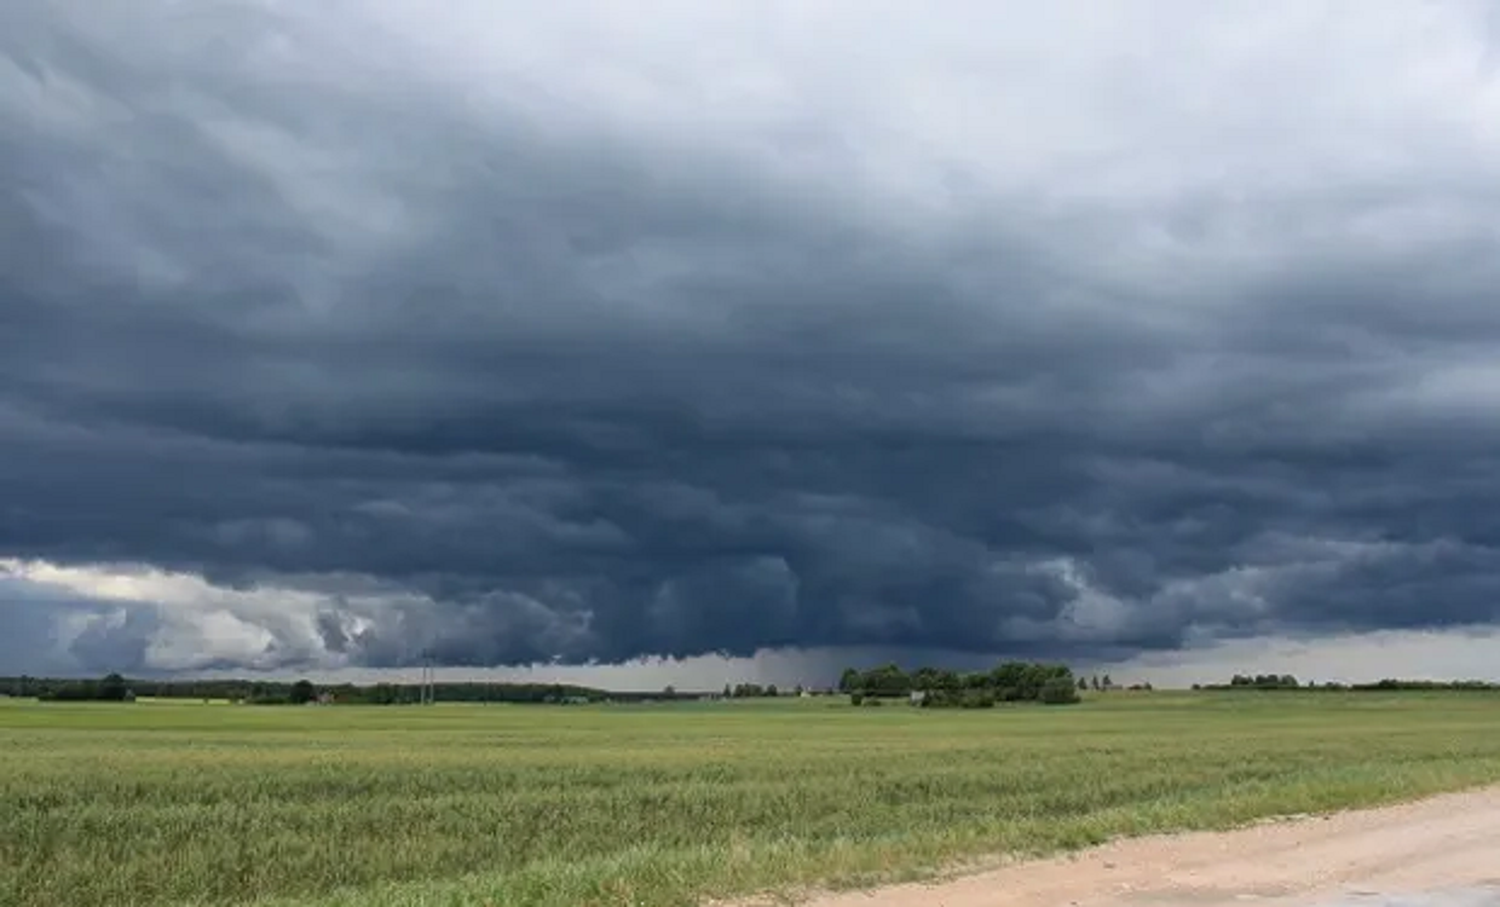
(155, 805)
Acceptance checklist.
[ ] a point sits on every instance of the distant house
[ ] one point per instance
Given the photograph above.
(917, 697)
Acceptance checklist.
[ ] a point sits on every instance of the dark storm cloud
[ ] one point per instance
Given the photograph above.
(559, 338)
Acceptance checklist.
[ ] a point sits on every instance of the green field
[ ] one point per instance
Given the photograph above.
(154, 804)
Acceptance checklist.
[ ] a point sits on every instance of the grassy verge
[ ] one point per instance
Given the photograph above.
(154, 805)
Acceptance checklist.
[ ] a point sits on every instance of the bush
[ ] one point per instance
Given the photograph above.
(960, 699)
(1059, 691)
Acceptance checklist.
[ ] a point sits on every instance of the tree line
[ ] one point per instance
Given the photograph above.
(115, 688)
(110, 688)
(1265, 681)
(755, 691)
(1011, 681)
(1390, 684)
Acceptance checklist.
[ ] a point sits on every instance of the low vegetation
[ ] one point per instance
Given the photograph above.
(170, 804)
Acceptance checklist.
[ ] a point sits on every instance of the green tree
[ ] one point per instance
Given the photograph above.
(112, 688)
(1059, 691)
(303, 692)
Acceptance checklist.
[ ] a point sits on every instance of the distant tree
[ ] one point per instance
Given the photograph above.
(1264, 681)
(772, 692)
(728, 691)
(1011, 681)
(887, 680)
(1094, 681)
(1109, 683)
(1059, 691)
(112, 688)
(302, 692)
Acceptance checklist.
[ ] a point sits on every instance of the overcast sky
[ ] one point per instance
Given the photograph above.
(1163, 335)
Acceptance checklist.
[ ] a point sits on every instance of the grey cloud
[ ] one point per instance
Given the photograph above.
(116, 640)
(29, 643)
(528, 341)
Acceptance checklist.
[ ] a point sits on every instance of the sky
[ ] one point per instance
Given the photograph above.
(681, 342)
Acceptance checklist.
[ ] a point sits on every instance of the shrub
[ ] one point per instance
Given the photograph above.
(1059, 691)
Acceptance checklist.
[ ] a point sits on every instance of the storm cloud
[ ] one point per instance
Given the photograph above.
(333, 334)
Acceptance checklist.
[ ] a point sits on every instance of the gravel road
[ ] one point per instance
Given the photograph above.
(1441, 852)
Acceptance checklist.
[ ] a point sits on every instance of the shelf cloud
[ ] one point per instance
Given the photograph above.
(334, 334)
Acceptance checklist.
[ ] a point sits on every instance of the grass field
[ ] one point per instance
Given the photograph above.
(155, 804)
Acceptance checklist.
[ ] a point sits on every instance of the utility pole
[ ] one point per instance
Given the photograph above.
(429, 679)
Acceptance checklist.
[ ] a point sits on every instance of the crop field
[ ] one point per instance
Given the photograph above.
(157, 804)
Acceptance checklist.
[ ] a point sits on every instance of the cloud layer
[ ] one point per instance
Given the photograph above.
(334, 334)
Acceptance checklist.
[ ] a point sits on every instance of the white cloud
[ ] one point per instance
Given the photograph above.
(193, 624)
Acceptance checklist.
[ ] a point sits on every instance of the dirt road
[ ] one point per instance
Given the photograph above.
(1444, 851)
